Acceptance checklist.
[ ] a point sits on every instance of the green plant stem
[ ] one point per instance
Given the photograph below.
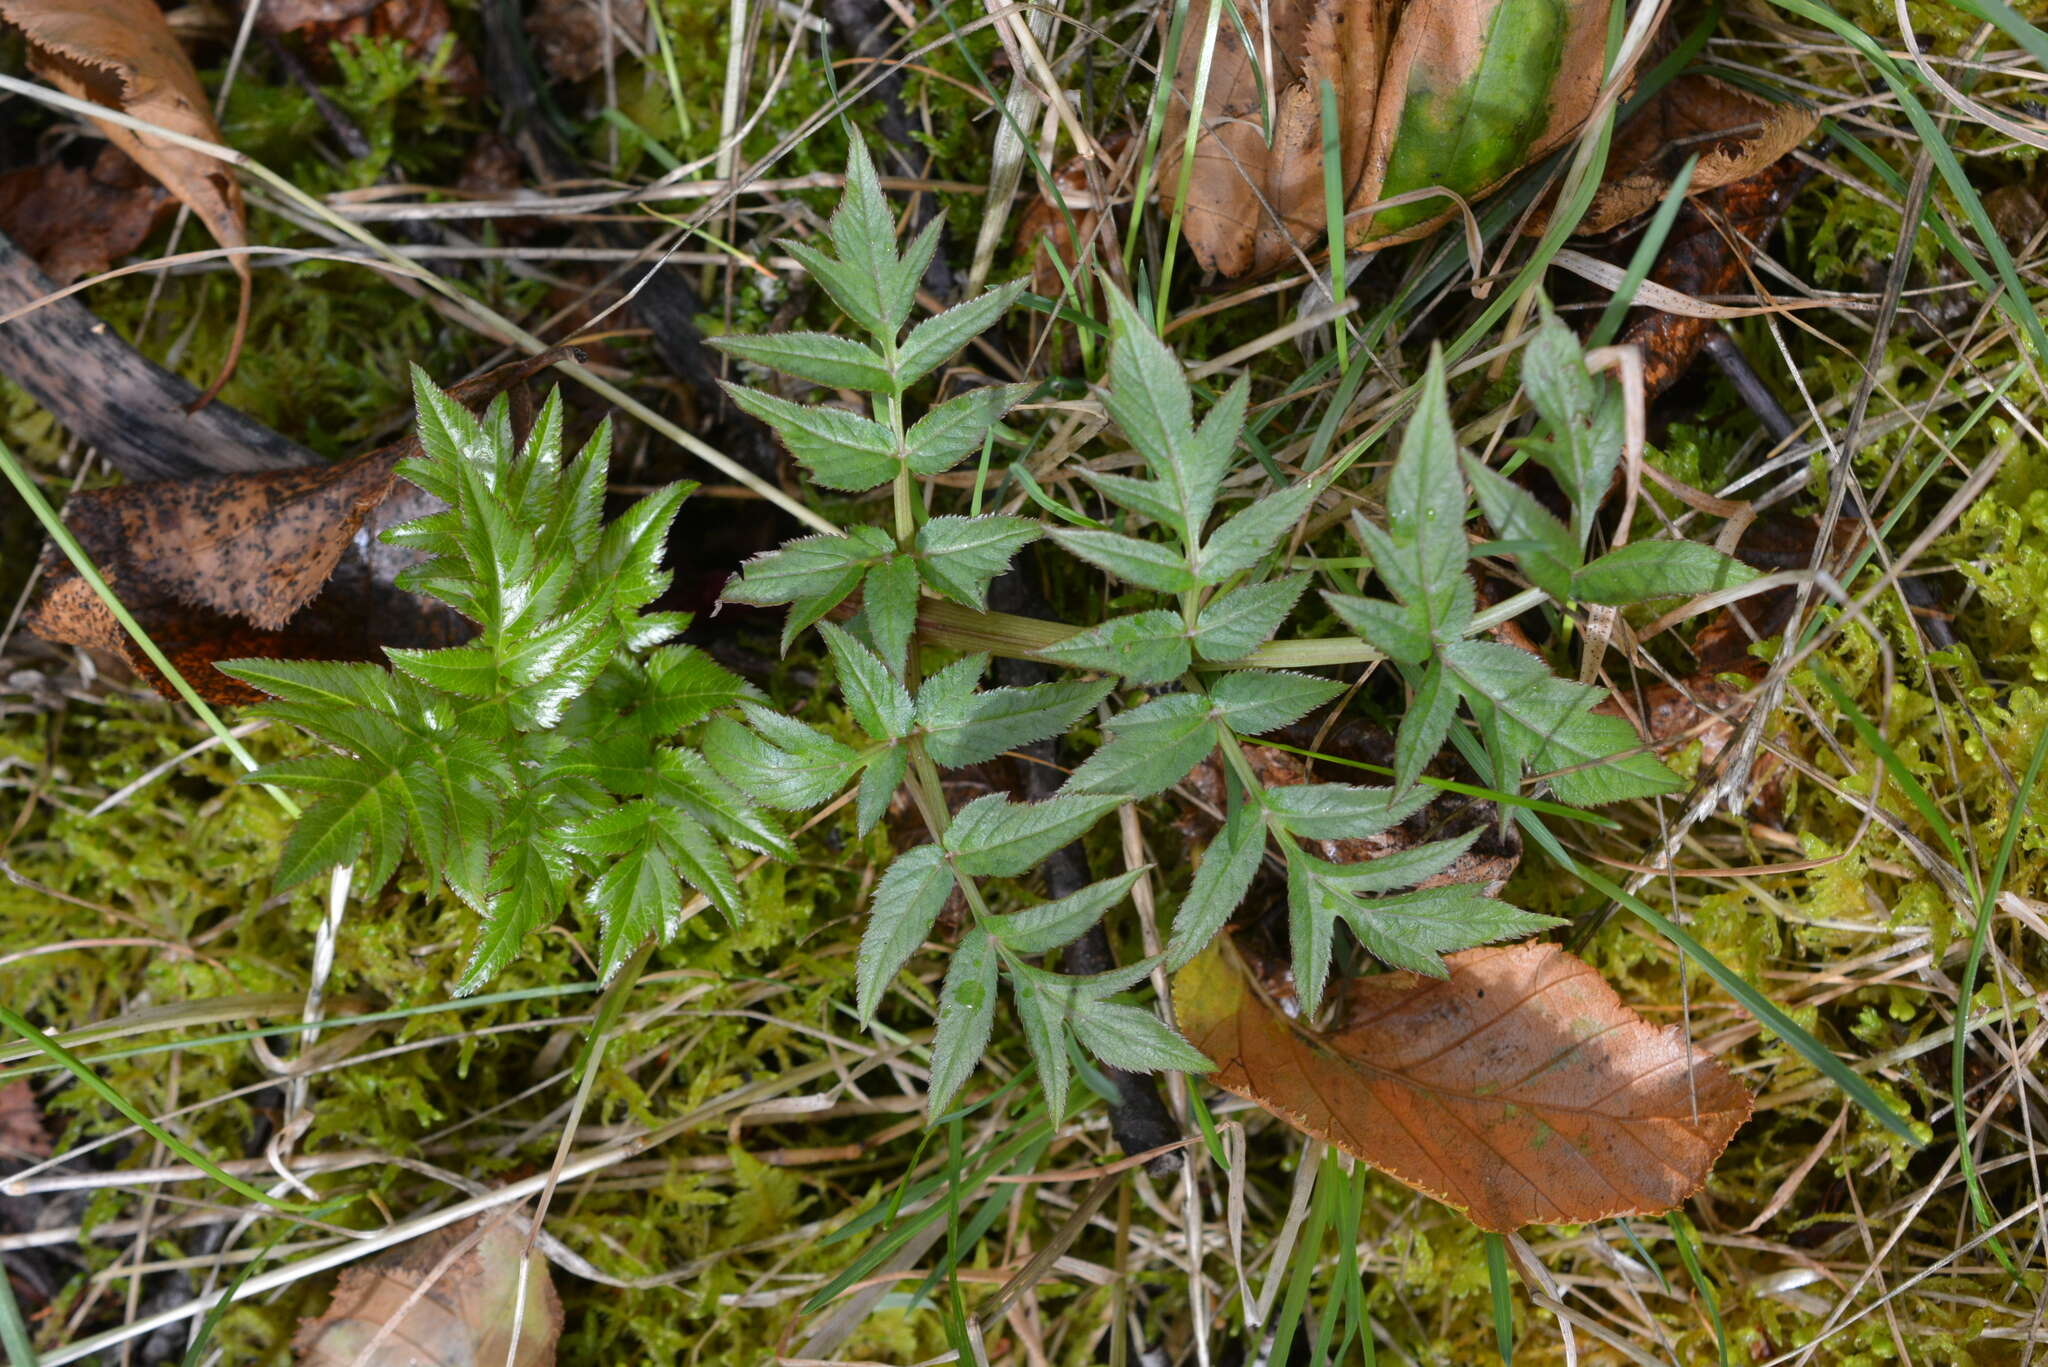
(1011, 637)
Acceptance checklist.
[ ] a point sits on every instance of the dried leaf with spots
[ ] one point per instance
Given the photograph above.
(451, 1299)
(1520, 1090)
(1735, 133)
(275, 564)
(121, 54)
(77, 221)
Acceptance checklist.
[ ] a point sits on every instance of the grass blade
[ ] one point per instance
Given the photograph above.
(92, 1081)
(13, 1329)
(1764, 1009)
(1980, 1204)
(1503, 1297)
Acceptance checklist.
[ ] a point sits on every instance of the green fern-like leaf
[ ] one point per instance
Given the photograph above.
(545, 755)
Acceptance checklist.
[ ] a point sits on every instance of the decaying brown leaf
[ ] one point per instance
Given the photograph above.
(1251, 203)
(1043, 233)
(450, 1299)
(22, 1134)
(77, 221)
(272, 564)
(1706, 255)
(121, 54)
(1735, 133)
(573, 37)
(1520, 1090)
(288, 16)
(426, 27)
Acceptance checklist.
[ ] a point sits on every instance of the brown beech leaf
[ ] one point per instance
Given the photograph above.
(271, 564)
(447, 1300)
(1735, 133)
(122, 54)
(76, 221)
(1520, 1090)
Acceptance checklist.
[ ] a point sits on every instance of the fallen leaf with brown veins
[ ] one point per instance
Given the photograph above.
(1520, 1090)
(76, 221)
(449, 1299)
(121, 54)
(271, 564)
(1735, 133)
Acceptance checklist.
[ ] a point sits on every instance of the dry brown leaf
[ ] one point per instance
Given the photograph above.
(573, 37)
(1042, 232)
(273, 564)
(1735, 133)
(21, 1123)
(77, 222)
(1520, 1090)
(1708, 254)
(447, 1300)
(122, 54)
(1251, 205)
(288, 16)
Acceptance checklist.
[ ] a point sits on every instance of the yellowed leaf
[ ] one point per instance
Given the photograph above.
(1430, 94)
(1472, 91)
(447, 1300)
(121, 54)
(1520, 1089)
